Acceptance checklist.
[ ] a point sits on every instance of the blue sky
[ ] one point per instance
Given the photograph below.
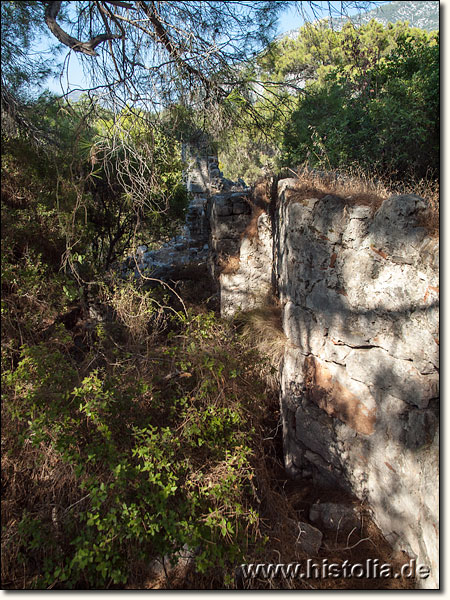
(290, 19)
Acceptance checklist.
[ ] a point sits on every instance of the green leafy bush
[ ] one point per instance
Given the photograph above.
(157, 461)
(366, 96)
(381, 113)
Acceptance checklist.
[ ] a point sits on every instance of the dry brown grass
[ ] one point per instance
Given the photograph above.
(357, 188)
(428, 189)
(251, 231)
(354, 187)
(261, 192)
(229, 265)
(35, 482)
(135, 310)
(262, 330)
(259, 201)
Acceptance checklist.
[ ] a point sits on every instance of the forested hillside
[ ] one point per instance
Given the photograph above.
(141, 431)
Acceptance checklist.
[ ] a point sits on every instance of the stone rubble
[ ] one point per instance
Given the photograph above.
(309, 538)
(338, 517)
(182, 255)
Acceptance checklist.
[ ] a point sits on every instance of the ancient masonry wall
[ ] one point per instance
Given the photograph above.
(222, 211)
(359, 380)
(359, 385)
(359, 299)
(241, 253)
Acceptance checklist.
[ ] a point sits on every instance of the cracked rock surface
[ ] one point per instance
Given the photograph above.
(359, 293)
(359, 384)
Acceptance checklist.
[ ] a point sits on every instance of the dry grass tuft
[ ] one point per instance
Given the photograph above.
(260, 201)
(251, 231)
(229, 265)
(261, 193)
(357, 188)
(262, 330)
(428, 189)
(354, 187)
(136, 310)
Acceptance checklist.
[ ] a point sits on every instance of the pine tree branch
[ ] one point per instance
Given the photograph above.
(51, 12)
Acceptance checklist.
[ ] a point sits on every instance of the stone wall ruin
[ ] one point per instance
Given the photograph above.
(359, 296)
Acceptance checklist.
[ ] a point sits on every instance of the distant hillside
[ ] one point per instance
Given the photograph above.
(424, 15)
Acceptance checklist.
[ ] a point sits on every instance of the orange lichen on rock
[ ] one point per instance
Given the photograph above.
(335, 399)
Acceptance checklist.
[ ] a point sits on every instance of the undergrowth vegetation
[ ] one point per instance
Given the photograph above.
(125, 444)
(132, 425)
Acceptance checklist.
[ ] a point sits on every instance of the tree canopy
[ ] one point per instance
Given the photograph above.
(154, 53)
(366, 95)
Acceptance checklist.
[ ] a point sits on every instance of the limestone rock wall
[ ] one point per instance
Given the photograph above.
(198, 161)
(241, 252)
(359, 381)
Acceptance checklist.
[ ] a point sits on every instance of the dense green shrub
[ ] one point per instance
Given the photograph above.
(383, 113)
(366, 96)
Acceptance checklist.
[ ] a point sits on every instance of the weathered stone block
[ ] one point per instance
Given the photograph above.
(223, 210)
(390, 375)
(330, 218)
(315, 431)
(329, 386)
(309, 538)
(339, 517)
(241, 208)
(285, 184)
